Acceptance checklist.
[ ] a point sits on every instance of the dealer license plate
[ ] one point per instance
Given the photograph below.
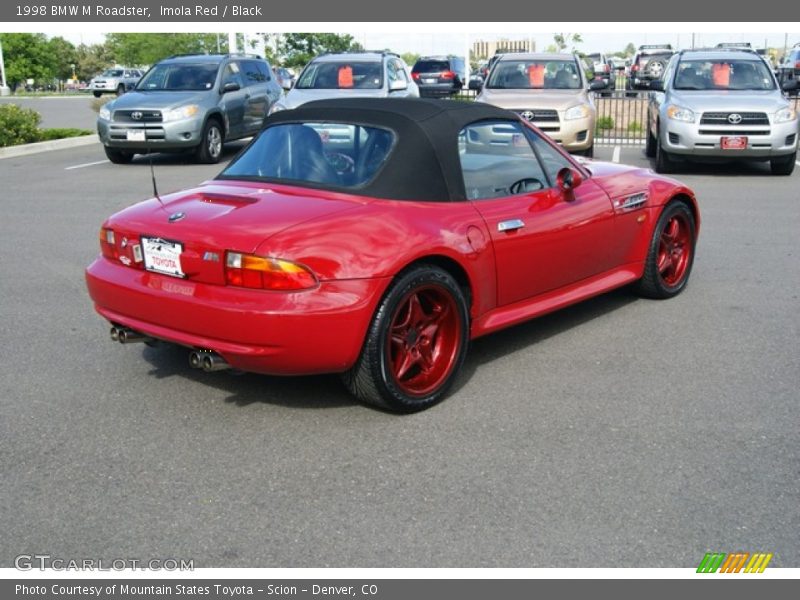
(737, 142)
(428, 81)
(136, 135)
(162, 256)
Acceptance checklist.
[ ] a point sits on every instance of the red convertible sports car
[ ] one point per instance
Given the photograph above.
(376, 237)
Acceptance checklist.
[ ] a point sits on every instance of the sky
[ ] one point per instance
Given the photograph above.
(455, 43)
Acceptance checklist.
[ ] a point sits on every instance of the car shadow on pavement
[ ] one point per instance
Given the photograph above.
(507, 341)
(165, 159)
(735, 168)
(244, 389)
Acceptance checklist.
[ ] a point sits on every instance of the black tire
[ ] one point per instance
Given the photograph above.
(372, 379)
(209, 151)
(97, 94)
(653, 283)
(120, 89)
(118, 157)
(783, 165)
(650, 144)
(663, 162)
(589, 152)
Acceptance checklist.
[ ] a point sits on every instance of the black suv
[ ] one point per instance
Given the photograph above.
(438, 76)
(648, 66)
(789, 69)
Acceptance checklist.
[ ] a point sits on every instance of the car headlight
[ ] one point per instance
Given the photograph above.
(183, 112)
(679, 113)
(581, 111)
(785, 114)
(105, 113)
(277, 107)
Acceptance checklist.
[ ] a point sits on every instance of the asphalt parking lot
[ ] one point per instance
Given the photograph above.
(60, 111)
(618, 433)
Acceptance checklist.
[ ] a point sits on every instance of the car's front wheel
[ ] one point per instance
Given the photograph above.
(118, 157)
(671, 253)
(650, 144)
(663, 160)
(783, 165)
(415, 344)
(210, 149)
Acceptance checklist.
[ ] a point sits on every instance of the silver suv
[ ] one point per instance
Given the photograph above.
(721, 104)
(351, 75)
(190, 102)
(114, 81)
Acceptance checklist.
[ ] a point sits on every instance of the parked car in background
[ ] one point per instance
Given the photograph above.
(190, 102)
(286, 78)
(476, 79)
(114, 81)
(618, 63)
(648, 65)
(380, 248)
(721, 104)
(438, 76)
(603, 70)
(549, 91)
(789, 68)
(351, 75)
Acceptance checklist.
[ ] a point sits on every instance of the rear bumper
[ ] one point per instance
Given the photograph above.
(315, 331)
(437, 89)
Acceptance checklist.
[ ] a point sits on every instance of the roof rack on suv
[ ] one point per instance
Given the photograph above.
(655, 47)
(381, 52)
(227, 55)
(734, 45)
(721, 49)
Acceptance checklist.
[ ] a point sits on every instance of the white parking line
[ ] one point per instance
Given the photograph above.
(615, 156)
(91, 164)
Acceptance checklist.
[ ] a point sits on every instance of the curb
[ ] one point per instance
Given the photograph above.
(36, 147)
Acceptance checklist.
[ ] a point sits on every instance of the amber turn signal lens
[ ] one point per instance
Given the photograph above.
(259, 272)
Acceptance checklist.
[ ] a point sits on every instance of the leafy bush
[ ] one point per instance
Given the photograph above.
(57, 133)
(18, 125)
(634, 127)
(97, 103)
(605, 123)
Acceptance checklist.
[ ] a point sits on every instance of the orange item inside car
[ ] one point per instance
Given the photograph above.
(345, 77)
(721, 74)
(536, 75)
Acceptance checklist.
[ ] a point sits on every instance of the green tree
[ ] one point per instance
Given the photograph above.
(92, 60)
(410, 58)
(26, 56)
(62, 56)
(300, 48)
(564, 40)
(630, 49)
(141, 49)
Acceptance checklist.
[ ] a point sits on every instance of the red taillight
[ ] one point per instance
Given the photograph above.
(447, 75)
(258, 272)
(797, 65)
(635, 68)
(108, 244)
(415, 76)
(607, 69)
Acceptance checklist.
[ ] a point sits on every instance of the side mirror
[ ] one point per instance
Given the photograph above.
(286, 84)
(397, 85)
(568, 179)
(789, 85)
(597, 84)
(231, 86)
(657, 85)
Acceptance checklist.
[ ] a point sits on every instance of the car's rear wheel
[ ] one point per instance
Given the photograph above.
(589, 152)
(671, 253)
(415, 344)
(118, 157)
(210, 149)
(97, 94)
(783, 165)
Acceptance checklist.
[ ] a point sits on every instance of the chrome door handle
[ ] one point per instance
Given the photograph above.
(510, 225)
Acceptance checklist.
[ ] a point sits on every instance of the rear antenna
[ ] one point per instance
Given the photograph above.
(153, 177)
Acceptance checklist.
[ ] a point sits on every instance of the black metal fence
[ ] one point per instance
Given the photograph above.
(621, 115)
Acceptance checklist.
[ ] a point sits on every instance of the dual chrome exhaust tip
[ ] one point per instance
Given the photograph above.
(207, 360)
(123, 335)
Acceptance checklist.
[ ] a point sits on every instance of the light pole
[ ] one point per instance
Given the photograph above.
(4, 91)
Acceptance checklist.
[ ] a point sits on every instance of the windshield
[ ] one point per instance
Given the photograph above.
(333, 154)
(112, 73)
(723, 75)
(341, 76)
(535, 74)
(179, 77)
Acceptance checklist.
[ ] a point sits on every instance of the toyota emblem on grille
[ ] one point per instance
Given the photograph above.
(176, 217)
(527, 115)
(734, 118)
(136, 115)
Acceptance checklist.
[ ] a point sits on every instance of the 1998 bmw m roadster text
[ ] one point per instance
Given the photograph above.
(376, 237)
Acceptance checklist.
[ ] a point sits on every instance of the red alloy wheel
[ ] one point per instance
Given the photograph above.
(424, 339)
(674, 250)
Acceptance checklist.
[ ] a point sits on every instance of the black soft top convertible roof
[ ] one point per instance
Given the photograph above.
(424, 164)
